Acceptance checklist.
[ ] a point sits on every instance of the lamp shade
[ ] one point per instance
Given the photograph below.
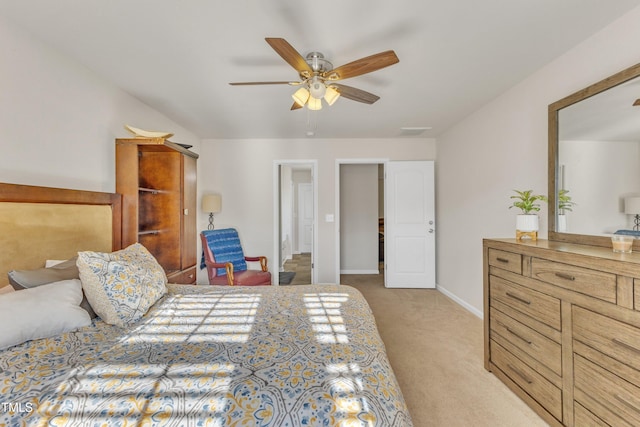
(632, 205)
(331, 95)
(314, 103)
(301, 96)
(317, 88)
(212, 203)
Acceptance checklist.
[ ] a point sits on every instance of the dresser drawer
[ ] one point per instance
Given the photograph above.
(609, 397)
(533, 344)
(594, 283)
(548, 395)
(505, 260)
(184, 277)
(583, 417)
(616, 339)
(541, 307)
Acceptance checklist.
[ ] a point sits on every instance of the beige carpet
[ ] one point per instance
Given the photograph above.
(436, 349)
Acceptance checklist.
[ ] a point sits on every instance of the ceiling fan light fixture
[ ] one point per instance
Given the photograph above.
(314, 103)
(331, 95)
(317, 88)
(301, 96)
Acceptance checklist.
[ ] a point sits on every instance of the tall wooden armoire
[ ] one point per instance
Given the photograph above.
(157, 180)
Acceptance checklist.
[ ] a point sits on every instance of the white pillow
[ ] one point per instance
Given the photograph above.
(121, 286)
(41, 312)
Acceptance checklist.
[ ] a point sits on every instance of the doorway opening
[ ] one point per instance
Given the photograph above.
(360, 215)
(408, 221)
(295, 219)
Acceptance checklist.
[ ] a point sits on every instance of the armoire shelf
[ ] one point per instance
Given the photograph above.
(157, 180)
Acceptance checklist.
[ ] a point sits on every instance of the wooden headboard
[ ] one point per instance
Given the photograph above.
(40, 223)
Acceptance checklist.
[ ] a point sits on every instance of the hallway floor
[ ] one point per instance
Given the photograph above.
(301, 265)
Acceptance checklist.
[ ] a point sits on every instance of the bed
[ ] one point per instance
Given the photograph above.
(292, 356)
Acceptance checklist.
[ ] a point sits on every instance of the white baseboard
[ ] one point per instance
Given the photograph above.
(464, 304)
(359, 271)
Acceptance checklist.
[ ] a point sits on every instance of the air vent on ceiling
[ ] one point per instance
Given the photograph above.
(413, 131)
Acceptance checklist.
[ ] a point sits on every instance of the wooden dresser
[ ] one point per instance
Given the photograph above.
(562, 329)
(157, 180)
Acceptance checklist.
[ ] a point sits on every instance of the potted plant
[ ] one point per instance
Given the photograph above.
(565, 204)
(529, 204)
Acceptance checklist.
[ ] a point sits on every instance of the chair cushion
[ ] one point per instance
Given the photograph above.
(246, 278)
(225, 246)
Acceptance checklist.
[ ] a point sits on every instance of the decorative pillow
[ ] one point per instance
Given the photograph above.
(121, 286)
(41, 312)
(65, 270)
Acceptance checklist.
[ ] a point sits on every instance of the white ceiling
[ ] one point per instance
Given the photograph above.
(178, 56)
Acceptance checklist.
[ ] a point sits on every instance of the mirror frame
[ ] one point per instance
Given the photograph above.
(584, 239)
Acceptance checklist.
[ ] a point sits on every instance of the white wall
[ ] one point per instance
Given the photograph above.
(59, 120)
(502, 147)
(242, 171)
(359, 219)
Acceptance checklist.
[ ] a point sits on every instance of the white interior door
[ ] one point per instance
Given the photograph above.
(409, 228)
(305, 217)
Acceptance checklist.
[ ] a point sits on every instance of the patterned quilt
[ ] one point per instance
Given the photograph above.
(212, 356)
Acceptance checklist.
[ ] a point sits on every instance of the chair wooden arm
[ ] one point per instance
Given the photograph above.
(227, 266)
(262, 259)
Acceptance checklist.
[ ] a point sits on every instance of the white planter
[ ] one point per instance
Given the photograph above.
(527, 222)
(562, 223)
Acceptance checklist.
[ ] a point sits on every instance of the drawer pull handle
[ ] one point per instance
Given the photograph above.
(520, 374)
(566, 276)
(625, 345)
(515, 334)
(517, 298)
(506, 261)
(627, 403)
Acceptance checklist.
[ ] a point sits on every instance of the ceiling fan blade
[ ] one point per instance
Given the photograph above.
(295, 106)
(636, 102)
(260, 83)
(363, 66)
(289, 54)
(355, 94)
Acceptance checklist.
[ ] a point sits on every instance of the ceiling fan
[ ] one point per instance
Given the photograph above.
(318, 77)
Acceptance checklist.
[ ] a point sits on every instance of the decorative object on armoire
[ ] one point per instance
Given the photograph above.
(527, 223)
(565, 204)
(211, 203)
(157, 180)
(141, 133)
(632, 207)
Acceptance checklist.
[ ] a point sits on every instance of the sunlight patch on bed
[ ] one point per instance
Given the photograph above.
(324, 311)
(347, 387)
(198, 319)
(135, 393)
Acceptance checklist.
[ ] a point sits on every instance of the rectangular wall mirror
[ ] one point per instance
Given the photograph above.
(594, 161)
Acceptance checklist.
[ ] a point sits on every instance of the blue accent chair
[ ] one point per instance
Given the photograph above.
(226, 264)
